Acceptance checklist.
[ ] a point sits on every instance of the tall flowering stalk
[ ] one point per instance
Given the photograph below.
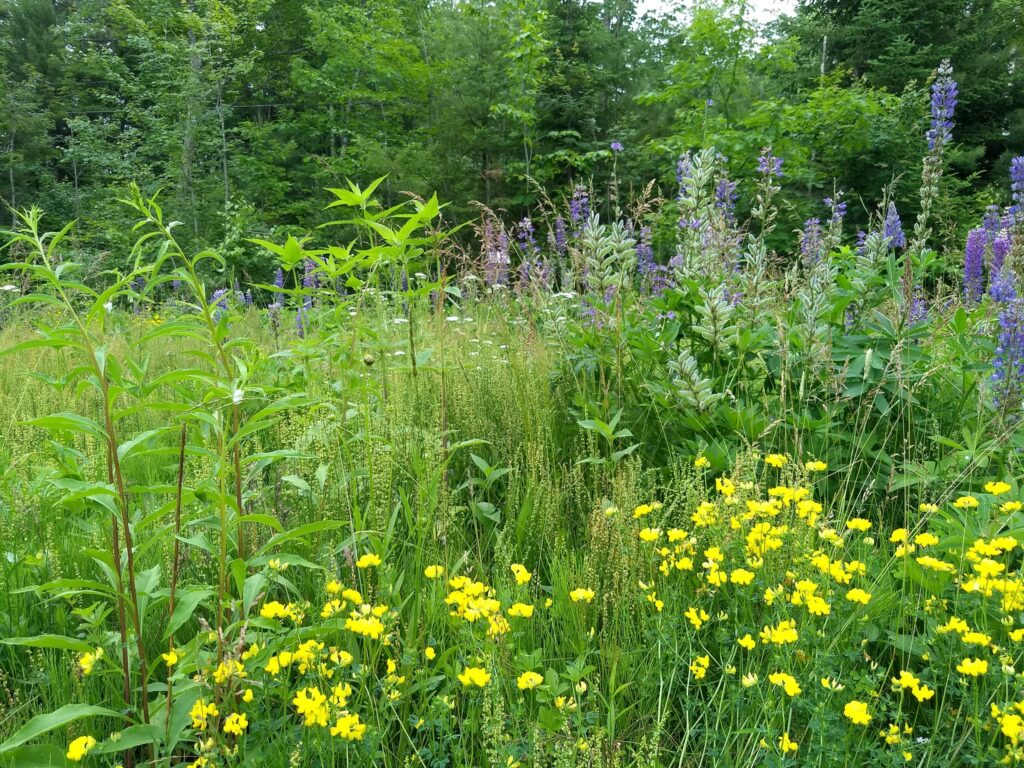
(1008, 374)
(943, 107)
(974, 266)
(893, 228)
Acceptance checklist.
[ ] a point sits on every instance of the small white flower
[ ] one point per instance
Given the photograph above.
(420, 276)
(399, 320)
(452, 318)
(109, 306)
(9, 288)
(237, 396)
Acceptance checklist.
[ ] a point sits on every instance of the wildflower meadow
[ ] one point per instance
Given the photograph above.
(618, 475)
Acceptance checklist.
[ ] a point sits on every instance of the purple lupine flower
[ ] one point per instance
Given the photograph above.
(682, 170)
(533, 274)
(661, 279)
(300, 322)
(811, 242)
(992, 222)
(1017, 186)
(768, 164)
(974, 265)
(579, 205)
(496, 259)
(616, 146)
(561, 238)
(1000, 250)
(893, 230)
(644, 252)
(175, 285)
(837, 207)
(219, 302)
(1002, 287)
(918, 307)
(309, 276)
(247, 298)
(278, 301)
(944, 93)
(527, 241)
(725, 198)
(1008, 365)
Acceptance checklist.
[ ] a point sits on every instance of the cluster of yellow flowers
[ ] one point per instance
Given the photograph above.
(766, 568)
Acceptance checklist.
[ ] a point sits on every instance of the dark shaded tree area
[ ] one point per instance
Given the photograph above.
(242, 111)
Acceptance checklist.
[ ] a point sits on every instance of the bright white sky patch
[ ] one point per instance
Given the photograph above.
(763, 10)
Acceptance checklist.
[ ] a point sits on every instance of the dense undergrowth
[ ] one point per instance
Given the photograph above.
(646, 494)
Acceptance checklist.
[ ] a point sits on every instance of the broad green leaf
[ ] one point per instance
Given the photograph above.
(41, 724)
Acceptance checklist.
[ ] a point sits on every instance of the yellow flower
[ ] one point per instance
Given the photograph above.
(857, 712)
(348, 727)
(582, 594)
(701, 462)
(998, 487)
(749, 680)
(87, 661)
(80, 747)
(312, 705)
(781, 634)
(787, 682)
(776, 460)
(522, 575)
(697, 617)
(699, 667)
(200, 713)
(966, 502)
(815, 466)
(333, 587)
(1012, 727)
(369, 560)
(247, 695)
(747, 642)
(650, 534)
(521, 610)
(832, 684)
(477, 676)
(276, 565)
(786, 744)
(433, 571)
(1011, 506)
(926, 539)
(430, 653)
(236, 724)
(972, 667)
(528, 681)
(227, 669)
(642, 511)
(898, 536)
(170, 658)
(858, 595)
(922, 692)
(741, 576)
(859, 524)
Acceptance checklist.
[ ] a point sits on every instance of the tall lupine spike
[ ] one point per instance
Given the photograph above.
(1008, 365)
(893, 229)
(974, 266)
(943, 106)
